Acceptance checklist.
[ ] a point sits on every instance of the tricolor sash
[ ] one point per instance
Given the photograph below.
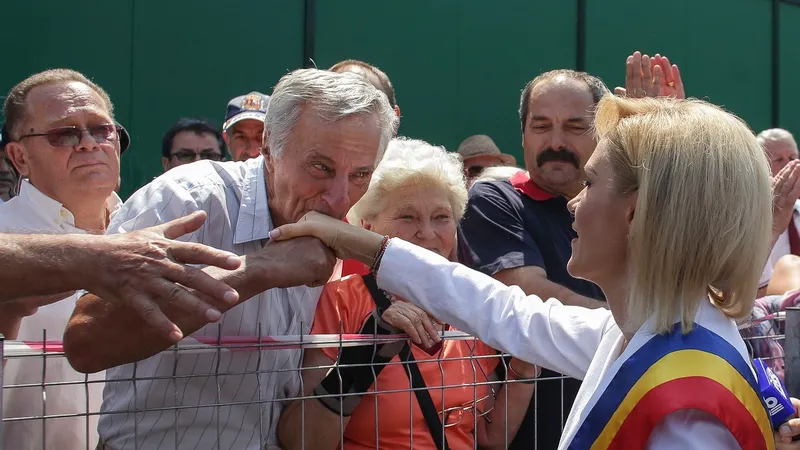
(672, 372)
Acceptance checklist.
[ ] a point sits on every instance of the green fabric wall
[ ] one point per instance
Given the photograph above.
(458, 66)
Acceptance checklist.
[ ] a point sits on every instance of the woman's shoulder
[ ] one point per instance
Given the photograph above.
(343, 305)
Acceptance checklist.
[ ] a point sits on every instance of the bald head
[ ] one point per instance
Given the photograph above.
(560, 78)
(780, 147)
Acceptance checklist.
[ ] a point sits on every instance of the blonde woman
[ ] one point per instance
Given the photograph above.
(674, 226)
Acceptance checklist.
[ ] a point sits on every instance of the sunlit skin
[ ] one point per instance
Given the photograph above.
(780, 152)
(602, 222)
(191, 142)
(420, 214)
(324, 167)
(559, 118)
(244, 139)
(79, 177)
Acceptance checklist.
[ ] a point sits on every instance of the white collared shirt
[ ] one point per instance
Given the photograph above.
(781, 248)
(582, 343)
(33, 212)
(235, 198)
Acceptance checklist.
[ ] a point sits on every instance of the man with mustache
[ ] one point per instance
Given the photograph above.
(520, 231)
(324, 133)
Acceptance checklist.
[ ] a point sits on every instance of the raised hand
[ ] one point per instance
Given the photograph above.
(651, 77)
(785, 192)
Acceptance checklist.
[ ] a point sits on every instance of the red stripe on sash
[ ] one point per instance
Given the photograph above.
(699, 393)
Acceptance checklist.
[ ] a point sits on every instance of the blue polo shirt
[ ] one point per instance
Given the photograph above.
(515, 223)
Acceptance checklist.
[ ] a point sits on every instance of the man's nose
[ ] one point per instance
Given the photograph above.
(337, 196)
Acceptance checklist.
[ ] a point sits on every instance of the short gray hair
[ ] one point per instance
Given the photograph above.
(408, 162)
(774, 135)
(332, 96)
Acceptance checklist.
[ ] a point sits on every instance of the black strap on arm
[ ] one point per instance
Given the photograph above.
(429, 412)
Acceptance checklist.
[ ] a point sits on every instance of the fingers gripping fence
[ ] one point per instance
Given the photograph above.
(44, 409)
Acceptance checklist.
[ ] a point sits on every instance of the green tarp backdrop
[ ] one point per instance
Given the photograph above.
(457, 65)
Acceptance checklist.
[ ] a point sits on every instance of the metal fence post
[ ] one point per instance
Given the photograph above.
(791, 346)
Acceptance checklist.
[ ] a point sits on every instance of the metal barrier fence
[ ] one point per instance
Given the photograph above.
(40, 423)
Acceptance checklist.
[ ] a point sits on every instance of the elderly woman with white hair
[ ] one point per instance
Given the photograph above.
(417, 194)
(674, 226)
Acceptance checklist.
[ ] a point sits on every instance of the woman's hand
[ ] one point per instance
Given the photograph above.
(418, 324)
(783, 438)
(347, 241)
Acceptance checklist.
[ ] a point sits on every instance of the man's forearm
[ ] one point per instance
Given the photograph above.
(533, 281)
(509, 410)
(40, 264)
(320, 430)
(105, 333)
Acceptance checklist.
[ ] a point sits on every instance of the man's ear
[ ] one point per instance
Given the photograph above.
(269, 158)
(225, 138)
(366, 225)
(165, 163)
(18, 156)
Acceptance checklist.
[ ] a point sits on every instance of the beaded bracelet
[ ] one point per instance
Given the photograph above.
(376, 263)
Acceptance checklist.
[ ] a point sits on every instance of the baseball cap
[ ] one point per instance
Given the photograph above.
(251, 106)
(482, 145)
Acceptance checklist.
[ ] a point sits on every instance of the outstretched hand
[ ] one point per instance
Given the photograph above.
(651, 77)
(346, 241)
(146, 266)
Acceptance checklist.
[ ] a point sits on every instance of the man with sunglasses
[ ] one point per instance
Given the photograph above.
(190, 140)
(65, 144)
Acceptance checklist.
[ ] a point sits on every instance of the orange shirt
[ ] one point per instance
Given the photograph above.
(348, 301)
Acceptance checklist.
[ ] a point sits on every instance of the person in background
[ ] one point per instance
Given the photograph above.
(497, 173)
(8, 174)
(65, 144)
(190, 140)
(781, 150)
(418, 194)
(320, 159)
(375, 76)
(244, 125)
(520, 231)
(479, 152)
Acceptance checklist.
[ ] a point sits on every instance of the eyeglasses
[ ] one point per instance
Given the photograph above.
(187, 157)
(71, 136)
(455, 414)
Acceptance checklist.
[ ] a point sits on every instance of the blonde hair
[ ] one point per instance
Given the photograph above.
(409, 162)
(701, 227)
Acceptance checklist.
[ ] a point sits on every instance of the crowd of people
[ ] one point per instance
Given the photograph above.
(610, 269)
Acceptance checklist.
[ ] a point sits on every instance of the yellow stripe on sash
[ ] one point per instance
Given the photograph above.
(681, 364)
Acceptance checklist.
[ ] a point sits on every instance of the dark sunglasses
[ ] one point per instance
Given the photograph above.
(71, 136)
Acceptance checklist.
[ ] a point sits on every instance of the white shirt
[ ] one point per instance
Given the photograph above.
(579, 342)
(32, 212)
(235, 198)
(781, 248)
